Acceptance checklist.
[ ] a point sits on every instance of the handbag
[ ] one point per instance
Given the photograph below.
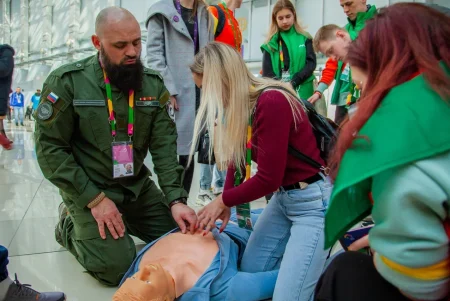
(203, 150)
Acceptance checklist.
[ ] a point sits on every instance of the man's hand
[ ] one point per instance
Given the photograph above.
(315, 97)
(185, 217)
(173, 102)
(106, 213)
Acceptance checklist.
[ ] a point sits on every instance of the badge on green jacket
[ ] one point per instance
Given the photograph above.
(45, 111)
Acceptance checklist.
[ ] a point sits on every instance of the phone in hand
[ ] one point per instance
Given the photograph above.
(353, 235)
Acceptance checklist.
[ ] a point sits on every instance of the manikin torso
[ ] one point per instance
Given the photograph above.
(185, 256)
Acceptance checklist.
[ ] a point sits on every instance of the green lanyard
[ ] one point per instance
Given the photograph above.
(236, 33)
(248, 157)
(112, 118)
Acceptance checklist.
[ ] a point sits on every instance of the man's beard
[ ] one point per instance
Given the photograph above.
(124, 77)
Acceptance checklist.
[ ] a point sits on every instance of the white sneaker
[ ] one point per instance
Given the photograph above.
(204, 197)
(217, 190)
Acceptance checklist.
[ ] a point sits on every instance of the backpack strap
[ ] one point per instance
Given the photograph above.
(293, 151)
(220, 22)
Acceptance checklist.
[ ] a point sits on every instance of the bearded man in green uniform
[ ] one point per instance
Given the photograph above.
(96, 117)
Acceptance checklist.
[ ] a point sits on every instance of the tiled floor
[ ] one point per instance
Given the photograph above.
(28, 215)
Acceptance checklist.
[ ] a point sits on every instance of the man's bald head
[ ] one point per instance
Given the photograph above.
(118, 39)
(111, 16)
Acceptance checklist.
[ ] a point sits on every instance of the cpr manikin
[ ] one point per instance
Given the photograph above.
(170, 267)
(189, 267)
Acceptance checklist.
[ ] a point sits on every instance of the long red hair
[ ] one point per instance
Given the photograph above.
(401, 40)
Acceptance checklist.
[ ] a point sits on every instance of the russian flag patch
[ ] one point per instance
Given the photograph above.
(53, 97)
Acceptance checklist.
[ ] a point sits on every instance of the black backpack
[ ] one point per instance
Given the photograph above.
(324, 129)
(221, 20)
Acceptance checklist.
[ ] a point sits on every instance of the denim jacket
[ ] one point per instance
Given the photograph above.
(222, 280)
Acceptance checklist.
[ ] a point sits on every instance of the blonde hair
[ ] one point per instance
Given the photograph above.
(229, 95)
(274, 29)
(325, 33)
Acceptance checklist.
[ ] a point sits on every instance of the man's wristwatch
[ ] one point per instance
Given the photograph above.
(178, 201)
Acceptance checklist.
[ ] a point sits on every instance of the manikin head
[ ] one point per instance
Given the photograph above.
(151, 283)
(353, 7)
(118, 40)
(333, 41)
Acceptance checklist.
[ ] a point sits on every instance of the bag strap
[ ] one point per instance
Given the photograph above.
(220, 21)
(293, 151)
(299, 155)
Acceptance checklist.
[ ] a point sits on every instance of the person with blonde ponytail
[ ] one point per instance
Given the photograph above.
(288, 53)
(289, 232)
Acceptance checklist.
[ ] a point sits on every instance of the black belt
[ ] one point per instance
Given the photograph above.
(310, 180)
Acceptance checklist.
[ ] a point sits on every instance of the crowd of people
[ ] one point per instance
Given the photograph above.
(99, 117)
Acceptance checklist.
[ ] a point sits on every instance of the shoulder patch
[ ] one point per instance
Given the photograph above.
(44, 111)
(152, 72)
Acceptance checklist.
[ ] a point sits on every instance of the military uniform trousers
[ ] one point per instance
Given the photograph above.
(147, 218)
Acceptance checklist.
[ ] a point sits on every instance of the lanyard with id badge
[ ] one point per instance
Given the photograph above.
(285, 75)
(243, 211)
(122, 151)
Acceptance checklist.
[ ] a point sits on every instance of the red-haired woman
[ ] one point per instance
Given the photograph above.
(393, 161)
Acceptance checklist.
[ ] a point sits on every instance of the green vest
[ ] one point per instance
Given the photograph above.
(342, 87)
(295, 43)
(412, 123)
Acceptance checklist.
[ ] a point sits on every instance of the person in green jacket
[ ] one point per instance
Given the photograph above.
(97, 120)
(392, 160)
(358, 12)
(288, 54)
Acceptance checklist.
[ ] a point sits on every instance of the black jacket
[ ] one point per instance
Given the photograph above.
(6, 73)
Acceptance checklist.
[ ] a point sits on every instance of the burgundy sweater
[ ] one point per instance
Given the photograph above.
(273, 131)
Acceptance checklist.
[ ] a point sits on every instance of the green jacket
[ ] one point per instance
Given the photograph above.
(73, 138)
(295, 43)
(342, 87)
(411, 124)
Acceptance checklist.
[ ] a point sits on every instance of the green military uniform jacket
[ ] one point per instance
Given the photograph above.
(73, 135)
(342, 87)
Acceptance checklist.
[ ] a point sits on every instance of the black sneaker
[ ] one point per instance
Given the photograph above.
(63, 212)
(23, 292)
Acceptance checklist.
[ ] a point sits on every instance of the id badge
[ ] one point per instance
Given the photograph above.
(285, 76)
(123, 164)
(345, 73)
(244, 216)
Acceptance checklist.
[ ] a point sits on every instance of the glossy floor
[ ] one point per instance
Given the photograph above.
(28, 215)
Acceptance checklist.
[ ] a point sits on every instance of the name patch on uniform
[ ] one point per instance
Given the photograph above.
(44, 111)
(89, 102)
(52, 97)
(141, 103)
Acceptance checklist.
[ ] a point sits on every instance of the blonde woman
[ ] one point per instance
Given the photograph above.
(289, 233)
(288, 52)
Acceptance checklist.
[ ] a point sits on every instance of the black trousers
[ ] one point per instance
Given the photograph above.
(352, 276)
(188, 172)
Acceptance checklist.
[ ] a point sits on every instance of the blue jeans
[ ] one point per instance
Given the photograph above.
(18, 113)
(206, 176)
(3, 263)
(289, 236)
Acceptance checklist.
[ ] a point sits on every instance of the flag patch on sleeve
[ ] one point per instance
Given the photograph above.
(53, 97)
